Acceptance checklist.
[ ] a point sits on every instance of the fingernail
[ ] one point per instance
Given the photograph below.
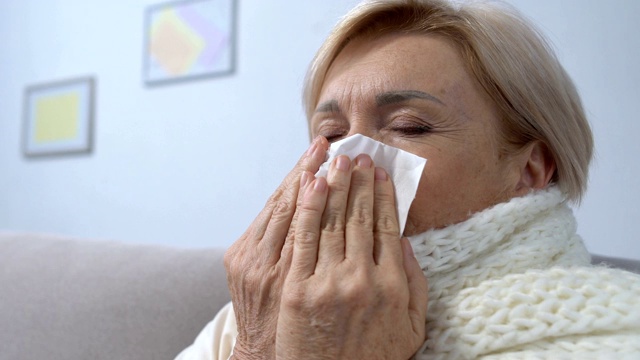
(364, 161)
(381, 175)
(304, 179)
(320, 185)
(321, 140)
(343, 163)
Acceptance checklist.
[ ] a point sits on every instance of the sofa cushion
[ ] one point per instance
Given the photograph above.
(71, 299)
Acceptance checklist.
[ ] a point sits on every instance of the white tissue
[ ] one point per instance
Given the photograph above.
(404, 168)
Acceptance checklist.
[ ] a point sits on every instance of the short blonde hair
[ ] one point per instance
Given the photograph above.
(508, 56)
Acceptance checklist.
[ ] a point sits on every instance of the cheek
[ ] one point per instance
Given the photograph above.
(446, 186)
(451, 189)
(452, 169)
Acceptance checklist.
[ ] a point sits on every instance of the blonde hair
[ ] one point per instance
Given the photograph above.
(508, 56)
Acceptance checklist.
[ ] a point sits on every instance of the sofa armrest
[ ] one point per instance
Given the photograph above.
(80, 299)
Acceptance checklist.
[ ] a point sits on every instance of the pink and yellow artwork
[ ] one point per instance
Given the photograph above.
(189, 39)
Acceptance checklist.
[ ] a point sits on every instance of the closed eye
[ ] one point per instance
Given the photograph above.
(412, 129)
(333, 138)
(332, 129)
(332, 133)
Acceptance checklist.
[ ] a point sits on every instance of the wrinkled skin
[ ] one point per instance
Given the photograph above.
(258, 262)
(339, 276)
(355, 290)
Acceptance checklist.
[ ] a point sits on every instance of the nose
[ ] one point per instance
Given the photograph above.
(366, 128)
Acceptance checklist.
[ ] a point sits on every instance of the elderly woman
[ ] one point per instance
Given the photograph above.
(323, 272)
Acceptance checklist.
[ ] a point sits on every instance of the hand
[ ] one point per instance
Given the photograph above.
(258, 262)
(354, 290)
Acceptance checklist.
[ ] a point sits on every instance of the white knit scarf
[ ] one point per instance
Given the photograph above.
(510, 278)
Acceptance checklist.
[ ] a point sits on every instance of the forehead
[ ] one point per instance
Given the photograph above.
(368, 68)
(397, 62)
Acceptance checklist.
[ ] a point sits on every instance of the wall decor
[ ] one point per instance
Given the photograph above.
(58, 117)
(189, 39)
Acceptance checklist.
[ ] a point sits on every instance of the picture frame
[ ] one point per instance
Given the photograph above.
(187, 40)
(58, 118)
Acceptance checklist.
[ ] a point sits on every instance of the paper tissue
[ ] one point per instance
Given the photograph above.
(404, 168)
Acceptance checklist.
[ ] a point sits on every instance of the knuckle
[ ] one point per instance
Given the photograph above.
(275, 197)
(311, 207)
(229, 258)
(334, 236)
(262, 278)
(259, 282)
(334, 222)
(392, 287)
(384, 198)
(306, 238)
(294, 298)
(324, 300)
(339, 187)
(359, 180)
(357, 296)
(282, 209)
(234, 264)
(356, 292)
(386, 224)
(361, 216)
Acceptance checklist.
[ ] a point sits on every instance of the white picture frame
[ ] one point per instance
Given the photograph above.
(188, 40)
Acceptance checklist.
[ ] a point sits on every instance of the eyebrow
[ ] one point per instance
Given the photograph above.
(394, 97)
(386, 98)
(330, 106)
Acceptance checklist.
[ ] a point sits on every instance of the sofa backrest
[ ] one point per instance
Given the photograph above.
(79, 299)
(618, 263)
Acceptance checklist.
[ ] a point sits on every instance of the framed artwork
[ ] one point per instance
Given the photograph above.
(189, 39)
(58, 118)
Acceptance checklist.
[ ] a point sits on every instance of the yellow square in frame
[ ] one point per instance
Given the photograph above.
(59, 118)
(56, 118)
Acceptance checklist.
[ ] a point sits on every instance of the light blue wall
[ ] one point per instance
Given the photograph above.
(192, 164)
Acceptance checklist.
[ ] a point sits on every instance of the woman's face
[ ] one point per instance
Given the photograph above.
(414, 92)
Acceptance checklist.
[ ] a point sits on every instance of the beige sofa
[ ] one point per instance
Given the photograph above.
(75, 299)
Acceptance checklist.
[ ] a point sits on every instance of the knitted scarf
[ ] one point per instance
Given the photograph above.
(514, 281)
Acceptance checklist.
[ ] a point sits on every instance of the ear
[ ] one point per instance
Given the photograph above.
(536, 167)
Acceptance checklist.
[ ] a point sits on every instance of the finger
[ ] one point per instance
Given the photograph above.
(418, 288)
(273, 225)
(287, 248)
(305, 247)
(387, 248)
(315, 152)
(359, 217)
(331, 250)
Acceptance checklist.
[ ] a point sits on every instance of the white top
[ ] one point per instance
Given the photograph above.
(216, 340)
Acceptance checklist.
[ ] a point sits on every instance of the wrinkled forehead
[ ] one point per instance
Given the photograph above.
(408, 54)
(368, 67)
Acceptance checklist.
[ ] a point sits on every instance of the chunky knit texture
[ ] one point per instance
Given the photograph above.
(514, 282)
